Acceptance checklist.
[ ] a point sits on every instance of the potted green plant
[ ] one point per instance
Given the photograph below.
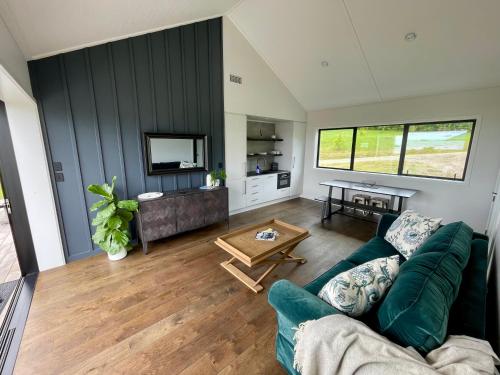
(221, 176)
(217, 177)
(112, 232)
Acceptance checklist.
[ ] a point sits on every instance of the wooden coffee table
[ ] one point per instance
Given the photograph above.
(243, 247)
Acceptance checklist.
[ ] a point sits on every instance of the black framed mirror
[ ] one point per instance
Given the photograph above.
(175, 153)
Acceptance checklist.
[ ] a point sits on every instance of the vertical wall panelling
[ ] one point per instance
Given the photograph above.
(97, 102)
(118, 128)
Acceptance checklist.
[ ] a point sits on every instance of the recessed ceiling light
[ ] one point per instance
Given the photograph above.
(410, 37)
(324, 63)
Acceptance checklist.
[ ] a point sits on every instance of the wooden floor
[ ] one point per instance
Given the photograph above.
(9, 266)
(175, 310)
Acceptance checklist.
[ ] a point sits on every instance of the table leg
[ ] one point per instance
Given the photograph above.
(255, 285)
(400, 205)
(330, 202)
(342, 200)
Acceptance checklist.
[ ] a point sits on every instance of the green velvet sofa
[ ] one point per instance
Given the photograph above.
(294, 304)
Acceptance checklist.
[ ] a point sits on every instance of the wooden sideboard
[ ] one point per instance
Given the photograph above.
(180, 211)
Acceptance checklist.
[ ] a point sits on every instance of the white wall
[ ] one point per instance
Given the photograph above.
(24, 124)
(469, 200)
(12, 58)
(262, 93)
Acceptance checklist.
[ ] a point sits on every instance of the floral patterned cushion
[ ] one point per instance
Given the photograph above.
(410, 230)
(355, 291)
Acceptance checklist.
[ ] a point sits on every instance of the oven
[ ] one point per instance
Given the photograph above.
(283, 180)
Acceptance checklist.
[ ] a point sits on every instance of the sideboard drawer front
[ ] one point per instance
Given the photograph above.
(158, 218)
(190, 212)
(216, 206)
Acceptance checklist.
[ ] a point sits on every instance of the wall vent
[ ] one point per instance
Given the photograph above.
(236, 79)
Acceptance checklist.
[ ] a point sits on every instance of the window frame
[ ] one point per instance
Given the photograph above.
(353, 146)
(402, 154)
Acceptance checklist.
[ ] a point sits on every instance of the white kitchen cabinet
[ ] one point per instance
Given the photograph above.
(293, 146)
(283, 193)
(235, 145)
(298, 149)
(261, 189)
(236, 194)
(236, 156)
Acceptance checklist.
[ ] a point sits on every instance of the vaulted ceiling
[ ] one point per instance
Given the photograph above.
(362, 42)
(457, 47)
(47, 27)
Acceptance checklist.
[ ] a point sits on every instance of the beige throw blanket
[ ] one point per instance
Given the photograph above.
(337, 344)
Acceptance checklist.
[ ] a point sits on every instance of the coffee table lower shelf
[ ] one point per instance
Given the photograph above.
(255, 285)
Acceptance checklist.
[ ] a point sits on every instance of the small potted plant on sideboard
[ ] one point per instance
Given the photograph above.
(112, 232)
(216, 177)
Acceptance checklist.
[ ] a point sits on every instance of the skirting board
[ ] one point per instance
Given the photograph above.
(234, 212)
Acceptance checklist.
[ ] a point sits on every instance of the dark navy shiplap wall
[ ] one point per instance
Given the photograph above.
(95, 104)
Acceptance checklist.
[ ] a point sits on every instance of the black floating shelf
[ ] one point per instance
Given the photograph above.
(265, 139)
(262, 156)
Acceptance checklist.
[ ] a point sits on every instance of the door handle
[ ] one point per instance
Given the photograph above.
(293, 163)
(244, 187)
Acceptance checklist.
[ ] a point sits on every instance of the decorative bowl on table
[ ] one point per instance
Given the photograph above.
(150, 195)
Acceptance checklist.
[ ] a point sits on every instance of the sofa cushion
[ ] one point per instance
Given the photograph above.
(468, 313)
(356, 291)
(410, 230)
(377, 247)
(315, 286)
(416, 309)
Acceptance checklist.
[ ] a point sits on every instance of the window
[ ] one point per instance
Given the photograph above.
(436, 149)
(335, 148)
(378, 149)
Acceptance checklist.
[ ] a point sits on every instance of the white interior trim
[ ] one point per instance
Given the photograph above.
(32, 164)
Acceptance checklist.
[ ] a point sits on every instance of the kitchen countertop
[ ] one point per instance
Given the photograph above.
(263, 173)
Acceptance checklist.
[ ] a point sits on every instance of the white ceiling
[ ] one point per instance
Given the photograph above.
(457, 48)
(47, 27)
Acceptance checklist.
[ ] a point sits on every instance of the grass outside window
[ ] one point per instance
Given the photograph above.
(378, 149)
(336, 148)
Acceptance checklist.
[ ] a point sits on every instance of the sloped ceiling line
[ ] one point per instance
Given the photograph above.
(10, 20)
(261, 55)
(358, 40)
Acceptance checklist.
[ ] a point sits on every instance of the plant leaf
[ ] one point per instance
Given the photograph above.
(98, 204)
(99, 235)
(114, 222)
(105, 245)
(125, 215)
(120, 238)
(103, 215)
(109, 189)
(130, 205)
(99, 190)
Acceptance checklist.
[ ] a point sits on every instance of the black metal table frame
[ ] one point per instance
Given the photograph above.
(342, 202)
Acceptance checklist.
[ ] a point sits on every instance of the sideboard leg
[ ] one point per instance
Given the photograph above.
(145, 247)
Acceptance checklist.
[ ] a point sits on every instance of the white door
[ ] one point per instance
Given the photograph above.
(493, 228)
(299, 142)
